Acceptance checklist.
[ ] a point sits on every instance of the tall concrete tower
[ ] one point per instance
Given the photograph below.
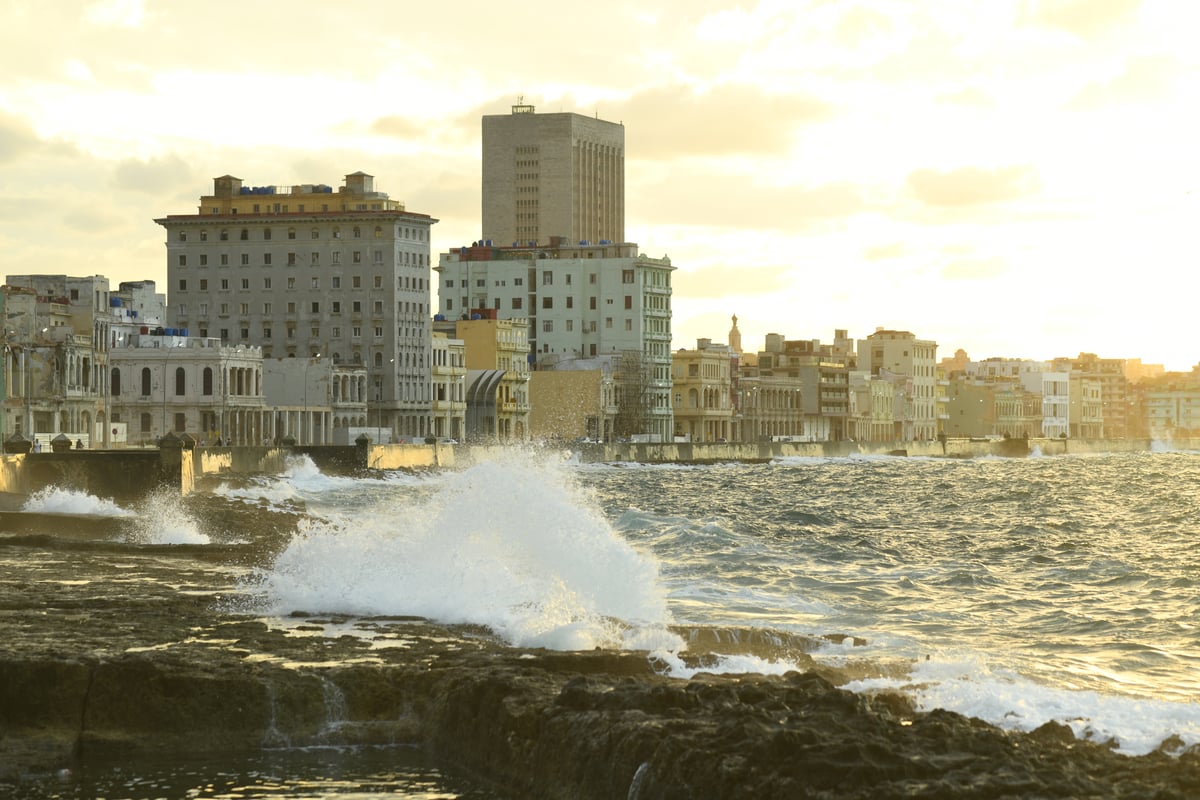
(560, 175)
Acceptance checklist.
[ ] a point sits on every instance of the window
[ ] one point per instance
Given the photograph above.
(337, 333)
(570, 325)
(315, 234)
(449, 283)
(204, 236)
(207, 382)
(378, 232)
(516, 282)
(629, 301)
(547, 302)
(608, 322)
(245, 259)
(516, 303)
(592, 278)
(291, 308)
(570, 302)
(592, 303)
(450, 304)
(356, 307)
(225, 309)
(378, 281)
(115, 383)
(314, 332)
(291, 262)
(245, 333)
(378, 307)
(336, 257)
(267, 259)
(548, 326)
(224, 235)
(291, 233)
(316, 307)
(357, 232)
(547, 278)
(267, 234)
(203, 309)
(145, 381)
(266, 309)
(291, 284)
(245, 234)
(315, 258)
(357, 257)
(315, 282)
(628, 324)
(244, 309)
(336, 306)
(356, 332)
(182, 260)
(145, 422)
(180, 381)
(224, 259)
(379, 332)
(626, 276)
(480, 283)
(204, 259)
(356, 281)
(336, 282)
(182, 285)
(225, 284)
(266, 283)
(245, 283)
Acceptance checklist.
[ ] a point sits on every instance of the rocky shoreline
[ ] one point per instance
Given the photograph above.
(540, 724)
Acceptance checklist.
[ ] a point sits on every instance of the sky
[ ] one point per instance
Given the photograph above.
(1015, 178)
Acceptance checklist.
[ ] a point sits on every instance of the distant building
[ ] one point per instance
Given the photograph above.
(901, 353)
(581, 301)
(703, 392)
(547, 175)
(575, 399)
(305, 271)
(449, 386)
(1114, 388)
(496, 355)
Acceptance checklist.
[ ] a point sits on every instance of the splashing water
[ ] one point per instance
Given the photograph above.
(511, 544)
(162, 519)
(57, 500)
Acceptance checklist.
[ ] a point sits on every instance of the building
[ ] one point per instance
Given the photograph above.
(574, 400)
(304, 271)
(903, 355)
(703, 393)
(57, 343)
(548, 175)
(167, 383)
(581, 301)
(496, 381)
(449, 386)
(1114, 388)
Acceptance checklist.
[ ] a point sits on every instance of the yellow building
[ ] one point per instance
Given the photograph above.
(702, 390)
(571, 404)
(497, 377)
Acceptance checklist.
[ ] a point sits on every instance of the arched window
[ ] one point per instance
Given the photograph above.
(208, 383)
(180, 382)
(115, 382)
(145, 381)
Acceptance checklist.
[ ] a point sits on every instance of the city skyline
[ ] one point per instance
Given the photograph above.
(1014, 179)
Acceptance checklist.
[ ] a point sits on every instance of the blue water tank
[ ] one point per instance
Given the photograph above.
(489, 242)
(476, 316)
(114, 302)
(183, 332)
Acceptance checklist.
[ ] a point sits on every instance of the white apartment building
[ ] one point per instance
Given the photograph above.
(304, 271)
(902, 354)
(584, 301)
(1056, 404)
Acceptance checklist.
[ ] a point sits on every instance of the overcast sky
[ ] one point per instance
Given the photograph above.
(1016, 178)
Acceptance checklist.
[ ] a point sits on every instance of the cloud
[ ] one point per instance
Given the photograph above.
(1143, 80)
(727, 281)
(969, 186)
(154, 176)
(1084, 18)
(973, 269)
(885, 251)
(739, 201)
(397, 127)
(90, 220)
(970, 96)
(673, 121)
(116, 13)
(16, 138)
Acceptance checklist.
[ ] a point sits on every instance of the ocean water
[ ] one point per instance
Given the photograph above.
(1014, 590)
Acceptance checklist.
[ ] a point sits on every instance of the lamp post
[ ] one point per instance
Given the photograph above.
(306, 422)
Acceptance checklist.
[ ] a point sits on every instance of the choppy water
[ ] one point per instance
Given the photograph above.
(1017, 591)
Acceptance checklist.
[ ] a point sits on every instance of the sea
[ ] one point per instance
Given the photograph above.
(1017, 591)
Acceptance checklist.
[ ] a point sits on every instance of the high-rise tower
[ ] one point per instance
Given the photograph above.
(552, 175)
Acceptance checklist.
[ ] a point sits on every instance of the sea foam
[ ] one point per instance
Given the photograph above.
(512, 544)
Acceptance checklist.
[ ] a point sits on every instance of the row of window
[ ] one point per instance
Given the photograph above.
(223, 234)
(314, 259)
(403, 283)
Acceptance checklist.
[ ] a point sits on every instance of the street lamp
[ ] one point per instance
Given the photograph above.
(306, 421)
